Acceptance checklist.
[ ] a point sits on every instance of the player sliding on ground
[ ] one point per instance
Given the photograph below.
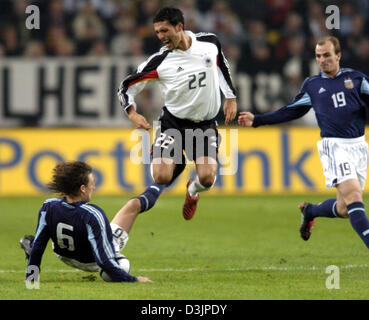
(338, 97)
(80, 231)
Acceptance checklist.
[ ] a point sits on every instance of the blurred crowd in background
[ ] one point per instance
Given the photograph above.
(256, 35)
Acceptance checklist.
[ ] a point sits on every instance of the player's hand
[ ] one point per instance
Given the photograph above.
(230, 110)
(138, 120)
(246, 119)
(143, 279)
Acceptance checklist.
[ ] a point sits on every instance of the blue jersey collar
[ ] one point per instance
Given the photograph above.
(73, 204)
(321, 73)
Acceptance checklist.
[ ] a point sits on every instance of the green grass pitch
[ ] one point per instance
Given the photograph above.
(235, 248)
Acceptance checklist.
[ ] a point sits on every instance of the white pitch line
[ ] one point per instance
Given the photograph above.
(268, 268)
(43, 271)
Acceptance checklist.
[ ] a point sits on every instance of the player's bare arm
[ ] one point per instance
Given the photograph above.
(230, 110)
(138, 120)
(246, 119)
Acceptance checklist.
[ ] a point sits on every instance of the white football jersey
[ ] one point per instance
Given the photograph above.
(190, 81)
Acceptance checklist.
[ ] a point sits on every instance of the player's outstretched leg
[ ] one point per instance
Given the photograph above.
(307, 223)
(190, 205)
(125, 217)
(26, 244)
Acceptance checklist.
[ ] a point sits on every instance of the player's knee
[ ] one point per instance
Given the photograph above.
(162, 177)
(207, 180)
(353, 196)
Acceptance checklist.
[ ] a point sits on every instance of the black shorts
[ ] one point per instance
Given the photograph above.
(175, 135)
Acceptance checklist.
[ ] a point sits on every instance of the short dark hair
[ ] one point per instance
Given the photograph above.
(68, 177)
(333, 40)
(170, 14)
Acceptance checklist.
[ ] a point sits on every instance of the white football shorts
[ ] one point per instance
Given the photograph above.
(343, 159)
(89, 267)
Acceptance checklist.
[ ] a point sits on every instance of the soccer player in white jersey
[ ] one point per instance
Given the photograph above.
(339, 97)
(191, 70)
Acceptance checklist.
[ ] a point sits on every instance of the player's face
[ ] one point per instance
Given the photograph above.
(327, 59)
(168, 34)
(87, 190)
